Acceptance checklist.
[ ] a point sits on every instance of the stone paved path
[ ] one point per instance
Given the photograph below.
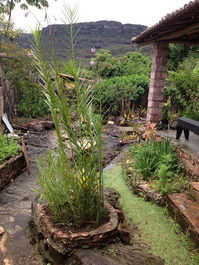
(16, 198)
(15, 208)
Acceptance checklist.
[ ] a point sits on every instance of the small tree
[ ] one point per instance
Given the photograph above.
(72, 185)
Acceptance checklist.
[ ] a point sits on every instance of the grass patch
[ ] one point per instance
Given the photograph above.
(155, 226)
(8, 148)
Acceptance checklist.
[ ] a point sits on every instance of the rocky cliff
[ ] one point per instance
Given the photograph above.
(111, 35)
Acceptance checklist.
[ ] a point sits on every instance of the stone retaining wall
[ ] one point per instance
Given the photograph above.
(191, 163)
(11, 169)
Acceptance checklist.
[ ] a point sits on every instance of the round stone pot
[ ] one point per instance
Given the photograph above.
(64, 241)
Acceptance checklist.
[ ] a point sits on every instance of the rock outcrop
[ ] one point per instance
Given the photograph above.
(110, 35)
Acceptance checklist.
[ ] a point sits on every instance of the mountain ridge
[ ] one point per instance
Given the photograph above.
(103, 34)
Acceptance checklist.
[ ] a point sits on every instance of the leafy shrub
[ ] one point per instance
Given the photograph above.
(158, 161)
(22, 74)
(108, 66)
(177, 54)
(118, 95)
(32, 104)
(182, 88)
(8, 148)
(136, 63)
(192, 112)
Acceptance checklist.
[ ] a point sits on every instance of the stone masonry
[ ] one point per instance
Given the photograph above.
(158, 75)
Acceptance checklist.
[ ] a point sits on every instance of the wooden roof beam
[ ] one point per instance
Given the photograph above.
(174, 34)
(184, 31)
(187, 42)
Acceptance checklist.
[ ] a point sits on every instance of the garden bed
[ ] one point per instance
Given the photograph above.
(190, 160)
(12, 160)
(162, 173)
(65, 239)
(58, 243)
(11, 169)
(92, 247)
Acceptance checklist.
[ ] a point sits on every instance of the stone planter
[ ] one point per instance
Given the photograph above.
(11, 169)
(64, 242)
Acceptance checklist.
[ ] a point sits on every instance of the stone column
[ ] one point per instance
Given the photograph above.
(158, 75)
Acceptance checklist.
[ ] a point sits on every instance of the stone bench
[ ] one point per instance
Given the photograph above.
(187, 125)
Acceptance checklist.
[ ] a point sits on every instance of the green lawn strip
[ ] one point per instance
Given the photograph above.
(155, 226)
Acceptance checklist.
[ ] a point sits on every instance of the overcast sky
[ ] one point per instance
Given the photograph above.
(145, 12)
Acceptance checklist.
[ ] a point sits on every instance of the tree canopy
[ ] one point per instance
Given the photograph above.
(6, 6)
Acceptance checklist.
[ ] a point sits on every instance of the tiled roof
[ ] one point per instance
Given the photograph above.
(188, 14)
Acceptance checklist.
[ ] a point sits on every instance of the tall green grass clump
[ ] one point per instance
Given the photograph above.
(72, 185)
(158, 162)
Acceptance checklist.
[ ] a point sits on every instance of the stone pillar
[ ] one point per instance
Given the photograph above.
(158, 75)
(1, 97)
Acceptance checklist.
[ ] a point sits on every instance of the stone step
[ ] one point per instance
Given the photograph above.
(118, 255)
(186, 213)
(194, 191)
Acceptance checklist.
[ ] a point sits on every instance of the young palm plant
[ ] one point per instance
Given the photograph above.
(72, 185)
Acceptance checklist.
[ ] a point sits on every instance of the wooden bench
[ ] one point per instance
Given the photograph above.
(186, 125)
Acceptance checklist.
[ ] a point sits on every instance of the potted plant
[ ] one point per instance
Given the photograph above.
(72, 211)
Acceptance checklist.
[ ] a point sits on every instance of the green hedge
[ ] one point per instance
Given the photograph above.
(114, 94)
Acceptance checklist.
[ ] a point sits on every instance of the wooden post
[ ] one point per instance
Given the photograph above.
(2, 55)
(1, 96)
(156, 90)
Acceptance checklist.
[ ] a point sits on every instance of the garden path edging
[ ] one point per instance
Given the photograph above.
(12, 168)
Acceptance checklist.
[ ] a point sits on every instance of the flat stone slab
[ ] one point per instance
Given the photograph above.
(195, 191)
(119, 255)
(125, 129)
(186, 212)
(34, 125)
